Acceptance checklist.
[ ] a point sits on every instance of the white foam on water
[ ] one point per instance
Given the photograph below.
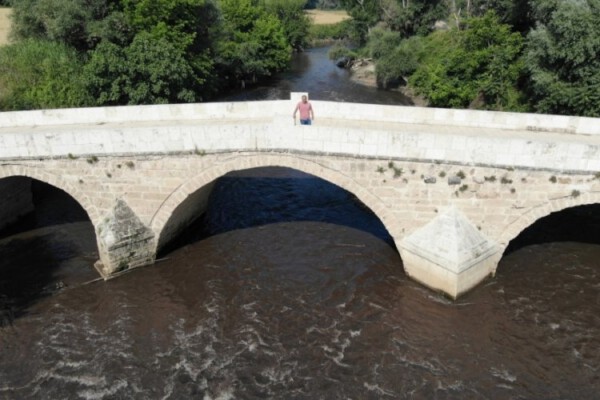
(84, 380)
(503, 374)
(103, 393)
(227, 394)
(378, 389)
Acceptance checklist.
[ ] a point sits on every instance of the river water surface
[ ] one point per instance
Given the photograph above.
(288, 288)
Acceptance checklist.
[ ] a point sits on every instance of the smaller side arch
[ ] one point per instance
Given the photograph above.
(56, 181)
(536, 213)
(206, 178)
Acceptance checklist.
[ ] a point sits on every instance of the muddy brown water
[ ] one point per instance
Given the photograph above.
(296, 294)
(288, 288)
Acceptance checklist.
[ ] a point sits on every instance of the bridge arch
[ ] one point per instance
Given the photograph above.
(7, 171)
(162, 219)
(536, 213)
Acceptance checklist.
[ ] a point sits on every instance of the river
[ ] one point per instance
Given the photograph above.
(288, 288)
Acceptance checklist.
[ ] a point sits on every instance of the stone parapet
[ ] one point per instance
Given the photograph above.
(143, 174)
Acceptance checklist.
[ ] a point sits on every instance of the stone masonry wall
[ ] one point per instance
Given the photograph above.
(405, 195)
(153, 166)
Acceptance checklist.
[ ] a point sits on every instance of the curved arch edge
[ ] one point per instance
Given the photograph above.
(162, 217)
(7, 171)
(534, 214)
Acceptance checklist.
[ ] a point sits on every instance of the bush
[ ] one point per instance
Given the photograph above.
(393, 68)
(337, 31)
(382, 42)
(40, 74)
(149, 71)
(479, 66)
(338, 51)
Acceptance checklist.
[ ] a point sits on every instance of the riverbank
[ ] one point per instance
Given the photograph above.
(362, 72)
(5, 24)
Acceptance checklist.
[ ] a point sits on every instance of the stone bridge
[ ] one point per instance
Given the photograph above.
(452, 187)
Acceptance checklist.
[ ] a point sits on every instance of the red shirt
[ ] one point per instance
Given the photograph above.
(304, 109)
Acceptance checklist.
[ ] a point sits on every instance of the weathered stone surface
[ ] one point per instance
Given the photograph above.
(454, 180)
(447, 252)
(124, 242)
(161, 159)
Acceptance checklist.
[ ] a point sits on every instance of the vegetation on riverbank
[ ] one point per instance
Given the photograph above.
(513, 55)
(95, 53)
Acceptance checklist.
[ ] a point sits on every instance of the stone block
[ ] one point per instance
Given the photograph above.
(449, 254)
(124, 242)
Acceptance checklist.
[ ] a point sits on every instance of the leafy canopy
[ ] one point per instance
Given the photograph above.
(40, 74)
(479, 63)
(563, 57)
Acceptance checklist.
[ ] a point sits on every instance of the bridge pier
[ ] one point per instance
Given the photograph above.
(449, 254)
(124, 242)
(16, 200)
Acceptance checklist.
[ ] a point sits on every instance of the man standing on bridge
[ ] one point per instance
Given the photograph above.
(306, 111)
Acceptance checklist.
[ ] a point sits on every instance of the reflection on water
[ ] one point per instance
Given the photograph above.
(304, 308)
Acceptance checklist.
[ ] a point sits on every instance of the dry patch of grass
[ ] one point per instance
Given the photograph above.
(4, 25)
(322, 17)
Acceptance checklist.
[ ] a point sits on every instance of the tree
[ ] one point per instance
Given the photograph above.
(40, 74)
(149, 71)
(293, 19)
(563, 57)
(394, 67)
(252, 45)
(365, 14)
(481, 62)
(516, 13)
(64, 21)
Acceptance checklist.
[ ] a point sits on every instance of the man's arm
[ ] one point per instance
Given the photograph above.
(312, 113)
(295, 110)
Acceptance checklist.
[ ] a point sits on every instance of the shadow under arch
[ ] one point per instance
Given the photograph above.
(48, 243)
(567, 207)
(56, 181)
(168, 222)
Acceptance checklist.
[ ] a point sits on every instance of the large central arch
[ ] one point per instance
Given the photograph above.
(203, 181)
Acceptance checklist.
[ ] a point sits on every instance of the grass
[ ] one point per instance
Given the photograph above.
(327, 17)
(4, 25)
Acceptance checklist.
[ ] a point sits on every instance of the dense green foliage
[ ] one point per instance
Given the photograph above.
(563, 57)
(149, 71)
(40, 74)
(145, 51)
(329, 32)
(254, 42)
(295, 22)
(539, 55)
(519, 55)
(478, 64)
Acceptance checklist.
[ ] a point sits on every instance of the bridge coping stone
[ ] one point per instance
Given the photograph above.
(268, 109)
